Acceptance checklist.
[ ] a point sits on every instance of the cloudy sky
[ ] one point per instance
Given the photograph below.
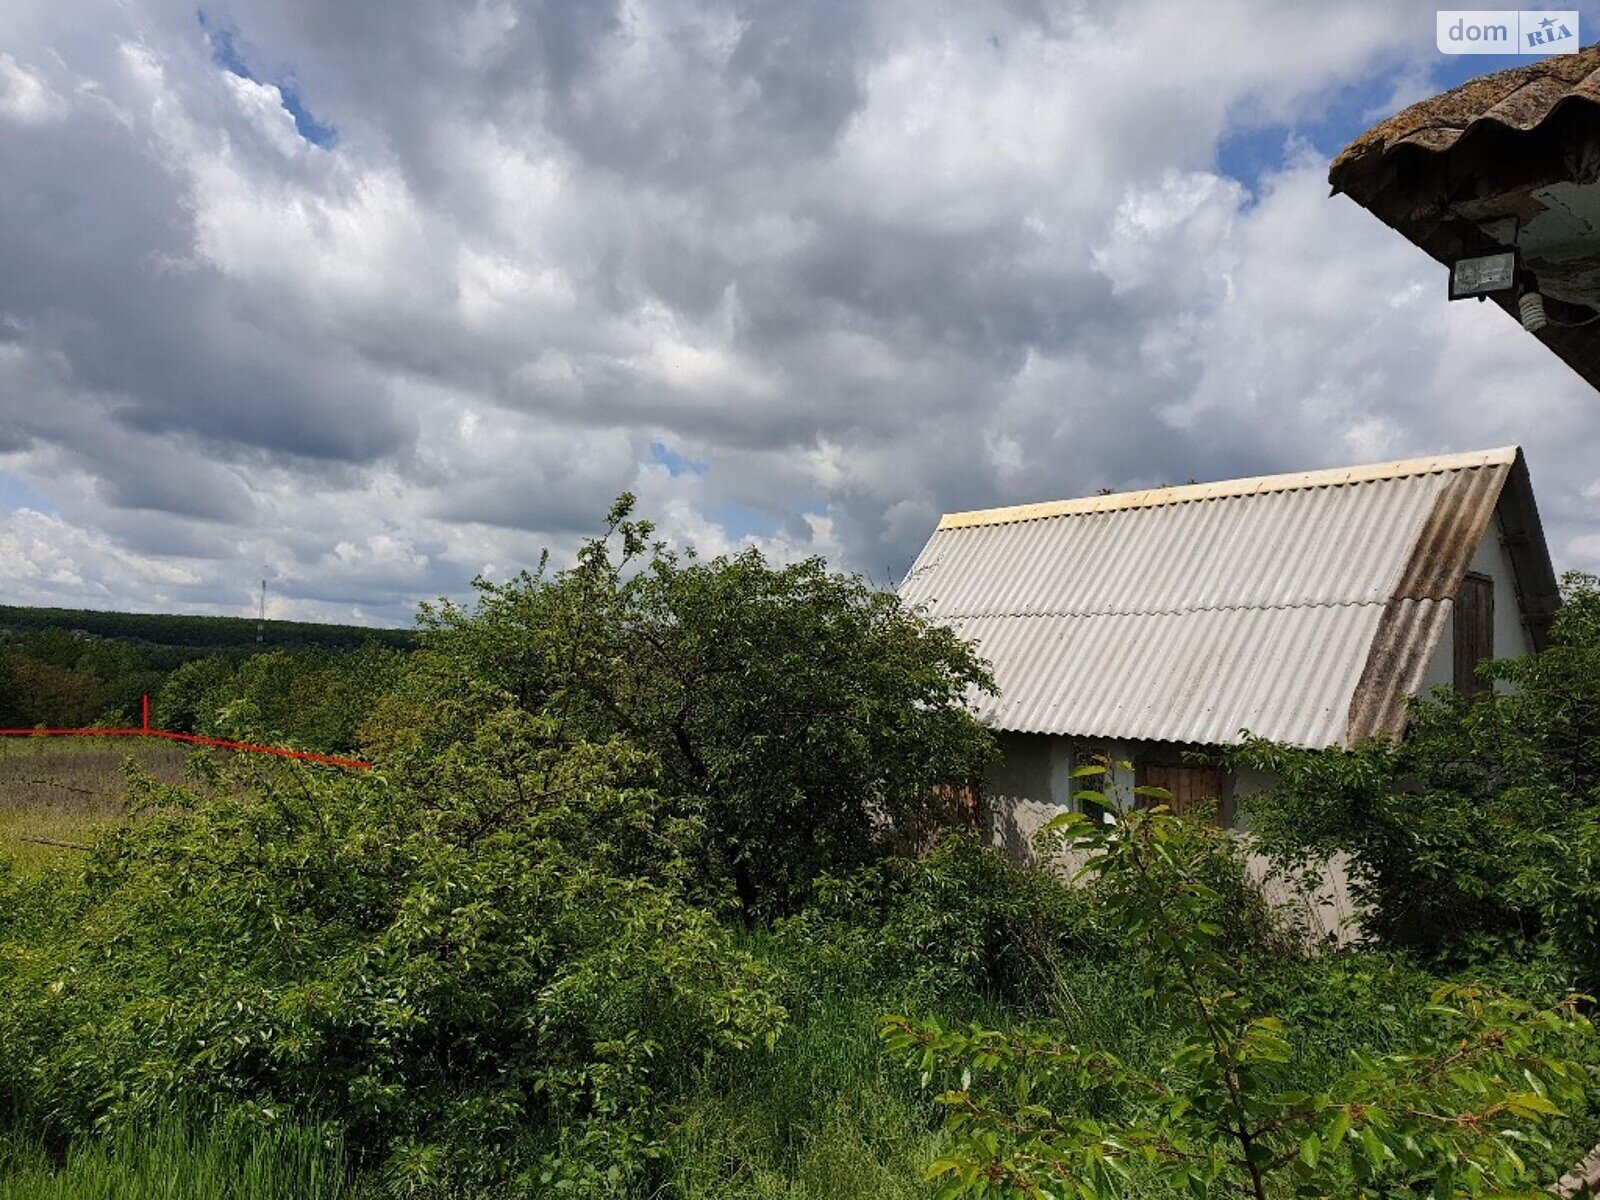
(377, 296)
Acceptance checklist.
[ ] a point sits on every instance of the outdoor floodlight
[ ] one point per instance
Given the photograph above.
(1483, 275)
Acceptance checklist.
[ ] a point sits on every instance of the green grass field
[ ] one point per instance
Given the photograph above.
(56, 789)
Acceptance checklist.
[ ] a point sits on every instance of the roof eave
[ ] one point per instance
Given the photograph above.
(1498, 136)
(1538, 588)
(1229, 488)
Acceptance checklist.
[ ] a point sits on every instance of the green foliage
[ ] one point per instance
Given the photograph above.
(961, 921)
(71, 668)
(481, 974)
(55, 677)
(800, 717)
(315, 699)
(1480, 833)
(1031, 1116)
(1246, 926)
(824, 1114)
(191, 694)
(653, 843)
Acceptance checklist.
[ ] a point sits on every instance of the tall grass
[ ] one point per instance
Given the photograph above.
(182, 1161)
(823, 1114)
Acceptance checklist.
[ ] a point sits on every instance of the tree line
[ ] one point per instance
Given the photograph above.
(67, 668)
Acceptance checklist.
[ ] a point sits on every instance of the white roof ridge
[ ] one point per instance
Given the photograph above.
(1169, 611)
(1226, 488)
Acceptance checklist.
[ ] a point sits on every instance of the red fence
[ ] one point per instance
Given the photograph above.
(194, 739)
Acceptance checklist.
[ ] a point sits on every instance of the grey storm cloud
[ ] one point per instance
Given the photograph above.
(380, 296)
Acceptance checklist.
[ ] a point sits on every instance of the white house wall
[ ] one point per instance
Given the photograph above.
(1033, 784)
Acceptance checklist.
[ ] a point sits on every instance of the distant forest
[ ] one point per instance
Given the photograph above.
(76, 667)
(161, 629)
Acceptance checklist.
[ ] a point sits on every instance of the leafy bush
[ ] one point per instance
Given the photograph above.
(804, 719)
(191, 694)
(1480, 833)
(1459, 1114)
(964, 920)
(482, 972)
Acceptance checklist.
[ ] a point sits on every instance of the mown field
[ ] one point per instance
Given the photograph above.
(60, 790)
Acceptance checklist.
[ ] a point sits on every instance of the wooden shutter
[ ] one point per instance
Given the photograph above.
(1190, 786)
(1474, 631)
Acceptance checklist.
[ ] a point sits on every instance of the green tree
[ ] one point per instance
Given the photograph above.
(313, 698)
(191, 693)
(803, 718)
(40, 692)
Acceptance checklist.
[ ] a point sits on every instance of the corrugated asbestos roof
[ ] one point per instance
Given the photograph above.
(1519, 99)
(1303, 608)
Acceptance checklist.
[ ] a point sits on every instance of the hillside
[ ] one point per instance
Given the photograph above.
(197, 632)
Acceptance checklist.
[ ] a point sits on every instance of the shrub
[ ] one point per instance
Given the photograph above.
(962, 921)
(802, 718)
(190, 694)
(478, 975)
(1480, 833)
(1458, 1114)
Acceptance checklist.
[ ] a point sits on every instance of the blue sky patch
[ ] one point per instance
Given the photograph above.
(1247, 152)
(15, 493)
(225, 53)
(675, 463)
(739, 521)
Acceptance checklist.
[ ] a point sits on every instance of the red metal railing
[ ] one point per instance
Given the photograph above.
(193, 739)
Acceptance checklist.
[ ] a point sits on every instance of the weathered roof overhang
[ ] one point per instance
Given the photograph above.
(1509, 159)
